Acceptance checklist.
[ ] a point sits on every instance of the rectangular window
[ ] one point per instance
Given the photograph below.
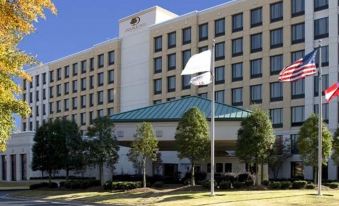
(171, 83)
(220, 96)
(324, 57)
(325, 84)
(43, 109)
(101, 60)
(220, 51)
(186, 55)
(171, 40)
(219, 75)
(58, 74)
(51, 76)
(298, 89)
(203, 48)
(82, 118)
(110, 78)
(256, 68)
(91, 99)
(219, 26)
(83, 66)
(110, 93)
(111, 57)
(276, 64)
(30, 97)
(186, 35)
(51, 108)
(298, 7)
(185, 82)
(157, 86)
(297, 55)
(297, 170)
(75, 86)
(255, 94)
(58, 106)
(157, 43)
(91, 64)
(237, 97)
(83, 84)
(36, 96)
(100, 95)
(320, 5)
(237, 72)
(237, 22)
(218, 168)
(321, 28)
(43, 94)
(13, 167)
(276, 38)
(228, 167)
(203, 95)
(75, 69)
(294, 145)
(4, 167)
(91, 82)
(37, 80)
(298, 33)
(66, 71)
(44, 78)
(66, 104)
(276, 91)
(171, 61)
(157, 65)
(237, 47)
(23, 161)
(83, 101)
(325, 111)
(297, 114)
(158, 101)
(110, 111)
(100, 113)
(256, 17)
(100, 79)
(276, 116)
(256, 42)
(58, 90)
(203, 32)
(37, 111)
(276, 11)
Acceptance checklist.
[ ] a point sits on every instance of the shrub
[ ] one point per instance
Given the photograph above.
(310, 186)
(229, 177)
(43, 185)
(265, 182)
(225, 185)
(275, 185)
(249, 183)
(158, 184)
(244, 177)
(207, 184)
(199, 176)
(125, 185)
(80, 184)
(332, 185)
(108, 185)
(238, 185)
(299, 184)
(285, 184)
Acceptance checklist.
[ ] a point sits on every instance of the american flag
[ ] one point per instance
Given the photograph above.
(301, 68)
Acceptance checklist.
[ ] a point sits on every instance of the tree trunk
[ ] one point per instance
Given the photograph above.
(144, 172)
(262, 172)
(193, 175)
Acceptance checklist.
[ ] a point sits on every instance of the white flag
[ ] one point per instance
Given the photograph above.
(198, 63)
(202, 79)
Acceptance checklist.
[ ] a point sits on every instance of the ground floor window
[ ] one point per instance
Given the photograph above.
(297, 169)
(218, 168)
(324, 174)
(251, 168)
(170, 170)
(228, 167)
(4, 167)
(13, 167)
(23, 158)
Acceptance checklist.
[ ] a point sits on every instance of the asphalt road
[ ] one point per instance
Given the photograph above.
(11, 201)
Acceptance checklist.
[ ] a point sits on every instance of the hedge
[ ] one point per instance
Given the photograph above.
(80, 184)
(332, 185)
(310, 186)
(43, 185)
(275, 185)
(285, 185)
(299, 184)
(109, 185)
(225, 185)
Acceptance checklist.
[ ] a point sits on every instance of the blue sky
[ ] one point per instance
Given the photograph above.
(80, 24)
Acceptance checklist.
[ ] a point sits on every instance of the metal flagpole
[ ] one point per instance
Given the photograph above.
(212, 118)
(320, 123)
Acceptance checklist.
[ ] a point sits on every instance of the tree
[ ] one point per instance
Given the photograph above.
(102, 144)
(335, 154)
(280, 152)
(144, 147)
(255, 140)
(17, 19)
(192, 139)
(308, 142)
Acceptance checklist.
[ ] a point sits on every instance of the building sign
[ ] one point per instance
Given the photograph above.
(135, 24)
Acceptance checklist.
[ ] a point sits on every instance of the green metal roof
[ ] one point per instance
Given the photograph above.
(173, 111)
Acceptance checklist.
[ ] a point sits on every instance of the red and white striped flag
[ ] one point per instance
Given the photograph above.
(332, 91)
(301, 68)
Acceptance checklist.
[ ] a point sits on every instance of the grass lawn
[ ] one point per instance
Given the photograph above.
(186, 196)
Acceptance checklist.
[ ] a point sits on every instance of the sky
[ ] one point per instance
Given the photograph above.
(80, 24)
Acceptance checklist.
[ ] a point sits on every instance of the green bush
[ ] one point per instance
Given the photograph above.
(275, 185)
(125, 185)
(207, 184)
(249, 183)
(285, 185)
(265, 182)
(80, 184)
(299, 184)
(158, 184)
(108, 185)
(310, 186)
(43, 185)
(332, 185)
(238, 185)
(225, 185)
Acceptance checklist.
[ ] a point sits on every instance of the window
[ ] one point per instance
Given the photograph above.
(83, 66)
(297, 170)
(51, 92)
(110, 76)
(220, 51)
(66, 88)
(110, 93)
(228, 167)
(91, 82)
(186, 35)
(100, 60)
(43, 109)
(100, 79)
(256, 68)
(171, 61)
(158, 101)
(220, 96)
(298, 7)
(186, 55)
(185, 82)
(51, 76)
(236, 72)
(325, 111)
(255, 94)
(320, 5)
(298, 33)
(100, 97)
(171, 40)
(83, 101)
(75, 69)
(297, 55)
(37, 80)
(30, 97)
(157, 65)
(203, 95)
(4, 167)
(24, 84)
(66, 71)
(276, 116)
(237, 47)
(23, 160)
(110, 111)
(51, 108)
(43, 78)
(256, 42)
(203, 48)
(276, 11)
(298, 89)
(82, 118)
(13, 167)
(218, 168)
(36, 96)
(297, 114)
(294, 145)
(219, 75)
(58, 90)
(91, 99)
(276, 64)
(83, 84)
(276, 38)
(58, 74)
(219, 25)
(171, 83)
(203, 32)
(58, 105)
(66, 104)
(325, 84)
(37, 111)
(43, 94)
(158, 44)
(91, 64)
(321, 28)
(237, 97)
(324, 57)
(256, 17)
(100, 113)
(237, 23)
(276, 91)
(75, 86)
(111, 57)
(157, 86)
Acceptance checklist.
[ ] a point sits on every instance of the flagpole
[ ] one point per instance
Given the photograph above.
(320, 123)
(212, 118)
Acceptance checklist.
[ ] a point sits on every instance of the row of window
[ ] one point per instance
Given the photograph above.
(37, 78)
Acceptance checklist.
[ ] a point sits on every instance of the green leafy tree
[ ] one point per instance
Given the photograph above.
(335, 154)
(192, 139)
(144, 147)
(308, 142)
(102, 144)
(280, 152)
(255, 140)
